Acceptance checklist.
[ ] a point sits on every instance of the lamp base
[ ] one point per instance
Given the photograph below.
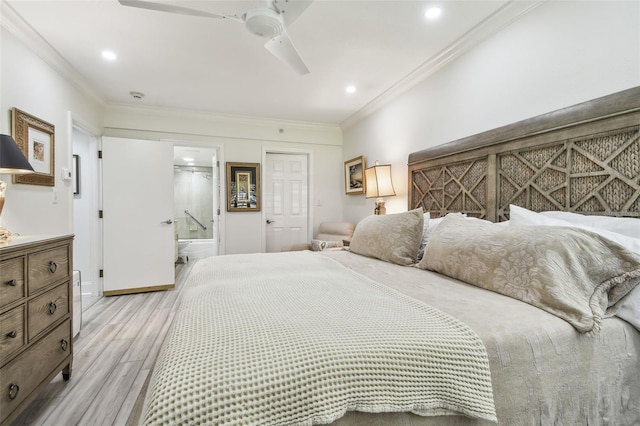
(380, 208)
(5, 236)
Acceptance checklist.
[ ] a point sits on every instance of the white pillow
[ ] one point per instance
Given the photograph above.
(425, 234)
(521, 216)
(621, 225)
(630, 308)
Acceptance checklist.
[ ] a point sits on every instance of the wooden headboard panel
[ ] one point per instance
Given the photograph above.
(584, 158)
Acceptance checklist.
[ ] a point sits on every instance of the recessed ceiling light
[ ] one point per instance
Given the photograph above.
(433, 12)
(350, 89)
(188, 159)
(109, 55)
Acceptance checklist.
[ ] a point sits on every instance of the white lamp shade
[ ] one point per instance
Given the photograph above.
(379, 182)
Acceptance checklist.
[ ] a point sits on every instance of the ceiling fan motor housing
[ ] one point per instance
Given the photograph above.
(264, 22)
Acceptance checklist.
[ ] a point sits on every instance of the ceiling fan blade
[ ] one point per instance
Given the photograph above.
(291, 9)
(282, 48)
(164, 7)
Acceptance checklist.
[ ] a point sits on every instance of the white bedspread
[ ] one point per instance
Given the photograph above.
(296, 338)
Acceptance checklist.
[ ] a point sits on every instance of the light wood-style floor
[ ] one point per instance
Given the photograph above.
(112, 360)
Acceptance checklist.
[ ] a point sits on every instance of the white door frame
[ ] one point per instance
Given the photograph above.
(96, 257)
(309, 154)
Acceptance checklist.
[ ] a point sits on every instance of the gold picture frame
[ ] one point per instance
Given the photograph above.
(36, 139)
(243, 187)
(354, 182)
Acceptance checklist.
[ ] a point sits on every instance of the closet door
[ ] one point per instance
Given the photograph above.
(139, 241)
(286, 201)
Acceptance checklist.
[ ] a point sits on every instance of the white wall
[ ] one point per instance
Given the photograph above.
(244, 140)
(33, 86)
(560, 54)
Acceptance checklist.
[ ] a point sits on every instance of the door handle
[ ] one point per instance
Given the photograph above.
(168, 221)
(269, 221)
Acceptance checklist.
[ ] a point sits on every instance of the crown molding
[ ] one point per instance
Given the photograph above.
(23, 32)
(217, 117)
(500, 19)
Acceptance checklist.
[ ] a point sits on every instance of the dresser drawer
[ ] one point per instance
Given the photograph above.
(48, 308)
(12, 283)
(48, 266)
(11, 332)
(23, 375)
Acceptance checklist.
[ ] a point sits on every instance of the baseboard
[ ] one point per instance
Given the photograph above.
(139, 290)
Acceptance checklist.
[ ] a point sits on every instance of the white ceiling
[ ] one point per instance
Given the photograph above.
(217, 66)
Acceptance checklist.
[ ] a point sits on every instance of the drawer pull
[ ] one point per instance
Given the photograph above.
(64, 344)
(12, 334)
(13, 390)
(52, 266)
(52, 308)
(12, 283)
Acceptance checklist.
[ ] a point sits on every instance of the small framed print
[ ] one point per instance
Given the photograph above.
(243, 187)
(354, 182)
(36, 139)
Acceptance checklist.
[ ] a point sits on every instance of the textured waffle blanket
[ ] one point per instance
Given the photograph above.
(296, 338)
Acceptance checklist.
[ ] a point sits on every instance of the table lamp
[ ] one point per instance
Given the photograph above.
(12, 161)
(379, 185)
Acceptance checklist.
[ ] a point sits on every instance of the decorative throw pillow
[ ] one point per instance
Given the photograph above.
(319, 245)
(572, 273)
(394, 238)
(619, 230)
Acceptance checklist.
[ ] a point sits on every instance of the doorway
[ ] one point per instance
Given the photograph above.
(196, 202)
(87, 243)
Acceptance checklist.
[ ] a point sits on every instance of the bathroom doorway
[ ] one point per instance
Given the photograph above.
(87, 229)
(196, 202)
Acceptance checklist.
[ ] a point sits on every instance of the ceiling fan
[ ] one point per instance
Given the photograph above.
(268, 20)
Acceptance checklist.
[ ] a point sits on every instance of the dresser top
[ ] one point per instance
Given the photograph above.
(22, 240)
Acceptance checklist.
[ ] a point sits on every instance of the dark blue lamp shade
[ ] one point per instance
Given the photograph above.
(12, 160)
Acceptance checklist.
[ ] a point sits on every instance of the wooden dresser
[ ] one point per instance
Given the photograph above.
(35, 318)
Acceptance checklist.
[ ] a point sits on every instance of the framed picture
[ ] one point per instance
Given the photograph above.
(75, 174)
(35, 138)
(243, 187)
(354, 182)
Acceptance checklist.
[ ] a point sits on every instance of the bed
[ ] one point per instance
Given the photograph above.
(471, 308)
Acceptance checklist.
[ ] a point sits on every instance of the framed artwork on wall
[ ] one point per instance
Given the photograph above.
(354, 182)
(243, 187)
(36, 139)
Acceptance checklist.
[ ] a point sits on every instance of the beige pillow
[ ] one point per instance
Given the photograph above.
(572, 273)
(394, 238)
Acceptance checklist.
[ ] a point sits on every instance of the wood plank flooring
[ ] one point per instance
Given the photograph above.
(112, 361)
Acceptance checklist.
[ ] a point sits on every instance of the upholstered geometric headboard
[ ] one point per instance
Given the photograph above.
(584, 158)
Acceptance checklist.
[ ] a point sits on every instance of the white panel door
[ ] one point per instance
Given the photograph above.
(286, 201)
(139, 242)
